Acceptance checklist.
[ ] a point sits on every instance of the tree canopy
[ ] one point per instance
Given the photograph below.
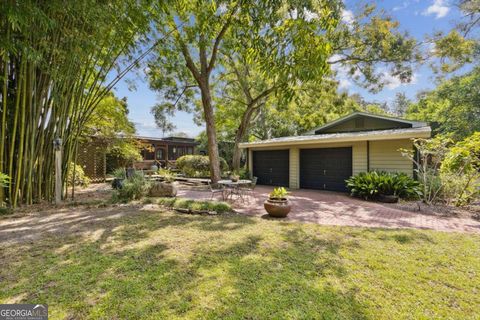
(273, 36)
(453, 107)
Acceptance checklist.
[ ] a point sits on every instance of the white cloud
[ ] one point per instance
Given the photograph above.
(439, 8)
(342, 73)
(404, 5)
(347, 16)
(344, 83)
(393, 82)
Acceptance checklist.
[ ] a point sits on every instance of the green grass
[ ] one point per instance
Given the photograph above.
(154, 265)
(196, 205)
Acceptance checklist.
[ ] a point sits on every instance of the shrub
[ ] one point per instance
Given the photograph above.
(460, 171)
(195, 205)
(243, 173)
(449, 172)
(428, 158)
(4, 180)
(80, 178)
(133, 188)
(197, 165)
(369, 185)
(120, 173)
(167, 175)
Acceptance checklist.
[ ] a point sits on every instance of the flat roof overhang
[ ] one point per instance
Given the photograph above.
(391, 134)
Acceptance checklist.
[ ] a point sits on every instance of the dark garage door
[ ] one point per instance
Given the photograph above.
(271, 167)
(325, 168)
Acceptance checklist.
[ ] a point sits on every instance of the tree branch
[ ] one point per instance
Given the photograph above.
(219, 38)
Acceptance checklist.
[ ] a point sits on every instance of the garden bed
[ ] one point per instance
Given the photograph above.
(469, 212)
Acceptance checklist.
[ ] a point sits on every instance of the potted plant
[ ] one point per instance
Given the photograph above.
(277, 205)
(166, 187)
(234, 177)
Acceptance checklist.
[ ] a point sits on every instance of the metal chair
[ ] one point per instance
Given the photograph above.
(216, 188)
(249, 189)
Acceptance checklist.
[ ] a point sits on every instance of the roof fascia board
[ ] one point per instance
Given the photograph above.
(410, 134)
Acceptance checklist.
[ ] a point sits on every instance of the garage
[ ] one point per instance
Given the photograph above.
(271, 167)
(325, 168)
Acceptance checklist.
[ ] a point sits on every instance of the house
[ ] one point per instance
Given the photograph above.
(163, 152)
(92, 154)
(328, 155)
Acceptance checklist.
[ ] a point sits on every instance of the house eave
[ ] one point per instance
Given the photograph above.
(414, 124)
(391, 134)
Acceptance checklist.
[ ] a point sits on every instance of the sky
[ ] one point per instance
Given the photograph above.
(418, 17)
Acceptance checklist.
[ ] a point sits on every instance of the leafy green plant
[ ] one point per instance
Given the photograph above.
(449, 172)
(243, 173)
(133, 188)
(195, 205)
(460, 171)
(4, 180)
(120, 173)
(197, 165)
(167, 175)
(369, 185)
(427, 159)
(279, 193)
(76, 176)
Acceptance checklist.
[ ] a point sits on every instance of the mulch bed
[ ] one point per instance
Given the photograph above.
(471, 211)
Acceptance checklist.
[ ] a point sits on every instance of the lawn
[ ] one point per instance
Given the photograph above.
(160, 264)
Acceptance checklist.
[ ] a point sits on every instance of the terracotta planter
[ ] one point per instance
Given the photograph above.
(387, 198)
(278, 208)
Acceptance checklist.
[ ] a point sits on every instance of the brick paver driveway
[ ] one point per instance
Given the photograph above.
(331, 208)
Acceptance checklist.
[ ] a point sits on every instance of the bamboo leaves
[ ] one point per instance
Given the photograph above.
(54, 64)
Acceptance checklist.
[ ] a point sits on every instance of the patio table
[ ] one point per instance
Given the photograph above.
(234, 186)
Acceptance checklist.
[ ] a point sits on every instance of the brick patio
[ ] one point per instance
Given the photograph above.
(331, 208)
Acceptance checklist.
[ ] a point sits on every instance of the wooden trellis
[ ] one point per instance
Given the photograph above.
(92, 157)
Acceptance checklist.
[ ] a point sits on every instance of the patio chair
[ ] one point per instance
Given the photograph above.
(250, 188)
(216, 188)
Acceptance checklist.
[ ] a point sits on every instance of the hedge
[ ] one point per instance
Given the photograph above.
(197, 166)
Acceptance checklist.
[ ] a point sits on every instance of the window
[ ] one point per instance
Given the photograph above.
(160, 154)
(172, 153)
(148, 155)
(189, 150)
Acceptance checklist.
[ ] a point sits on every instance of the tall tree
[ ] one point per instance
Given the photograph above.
(161, 113)
(364, 49)
(448, 52)
(400, 104)
(294, 48)
(189, 56)
(453, 107)
(189, 64)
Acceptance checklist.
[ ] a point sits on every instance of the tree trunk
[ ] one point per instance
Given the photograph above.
(240, 136)
(253, 108)
(215, 173)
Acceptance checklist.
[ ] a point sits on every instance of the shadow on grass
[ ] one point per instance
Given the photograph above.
(162, 265)
(128, 263)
